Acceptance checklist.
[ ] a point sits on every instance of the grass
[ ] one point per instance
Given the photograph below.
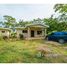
(24, 51)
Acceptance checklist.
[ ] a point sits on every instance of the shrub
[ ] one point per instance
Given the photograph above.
(13, 35)
(5, 37)
(1, 37)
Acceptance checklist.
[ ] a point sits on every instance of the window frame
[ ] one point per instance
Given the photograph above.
(24, 31)
(3, 31)
(39, 32)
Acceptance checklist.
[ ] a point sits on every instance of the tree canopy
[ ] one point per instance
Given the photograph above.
(9, 21)
(61, 8)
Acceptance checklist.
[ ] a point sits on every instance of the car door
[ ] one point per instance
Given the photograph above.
(52, 37)
(65, 36)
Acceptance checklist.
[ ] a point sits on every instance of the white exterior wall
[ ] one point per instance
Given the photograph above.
(28, 34)
(6, 33)
(40, 35)
(20, 32)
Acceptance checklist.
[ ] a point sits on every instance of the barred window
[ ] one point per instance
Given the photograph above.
(24, 31)
(39, 32)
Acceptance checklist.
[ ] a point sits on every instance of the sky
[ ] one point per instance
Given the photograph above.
(26, 11)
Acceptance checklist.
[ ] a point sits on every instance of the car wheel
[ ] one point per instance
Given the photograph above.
(61, 41)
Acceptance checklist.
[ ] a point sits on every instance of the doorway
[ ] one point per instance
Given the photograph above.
(32, 33)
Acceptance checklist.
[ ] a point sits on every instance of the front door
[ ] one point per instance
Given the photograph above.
(32, 33)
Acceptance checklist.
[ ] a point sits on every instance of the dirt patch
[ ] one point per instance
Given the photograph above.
(65, 48)
(42, 50)
(53, 43)
(53, 55)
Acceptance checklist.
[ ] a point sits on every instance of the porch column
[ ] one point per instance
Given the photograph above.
(35, 33)
(28, 32)
(45, 32)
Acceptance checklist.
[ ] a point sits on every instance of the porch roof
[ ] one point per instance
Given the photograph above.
(7, 29)
(34, 25)
(37, 24)
(20, 28)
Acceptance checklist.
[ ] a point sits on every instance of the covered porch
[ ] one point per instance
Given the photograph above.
(33, 31)
(36, 32)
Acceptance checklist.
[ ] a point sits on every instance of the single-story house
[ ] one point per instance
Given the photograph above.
(4, 32)
(32, 31)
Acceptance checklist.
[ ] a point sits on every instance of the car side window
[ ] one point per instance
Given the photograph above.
(58, 33)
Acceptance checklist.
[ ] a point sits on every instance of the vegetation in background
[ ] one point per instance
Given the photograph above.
(61, 8)
(9, 21)
(58, 23)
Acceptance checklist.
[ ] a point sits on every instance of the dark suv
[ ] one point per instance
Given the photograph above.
(60, 37)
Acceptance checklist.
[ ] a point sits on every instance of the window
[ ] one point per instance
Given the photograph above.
(24, 31)
(3, 31)
(39, 32)
(60, 33)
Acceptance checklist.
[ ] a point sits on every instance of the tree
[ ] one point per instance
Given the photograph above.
(52, 22)
(61, 8)
(1, 23)
(62, 18)
(9, 21)
(38, 20)
(22, 23)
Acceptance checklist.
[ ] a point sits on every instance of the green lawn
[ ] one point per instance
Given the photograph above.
(24, 51)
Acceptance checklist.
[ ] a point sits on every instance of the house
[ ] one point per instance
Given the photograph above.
(4, 32)
(32, 31)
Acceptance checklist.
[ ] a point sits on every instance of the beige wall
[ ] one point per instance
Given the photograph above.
(20, 32)
(6, 33)
(26, 35)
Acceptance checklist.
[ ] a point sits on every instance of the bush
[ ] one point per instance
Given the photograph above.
(13, 35)
(21, 36)
(5, 37)
(1, 37)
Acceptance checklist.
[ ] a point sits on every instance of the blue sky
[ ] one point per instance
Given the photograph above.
(26, 11)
